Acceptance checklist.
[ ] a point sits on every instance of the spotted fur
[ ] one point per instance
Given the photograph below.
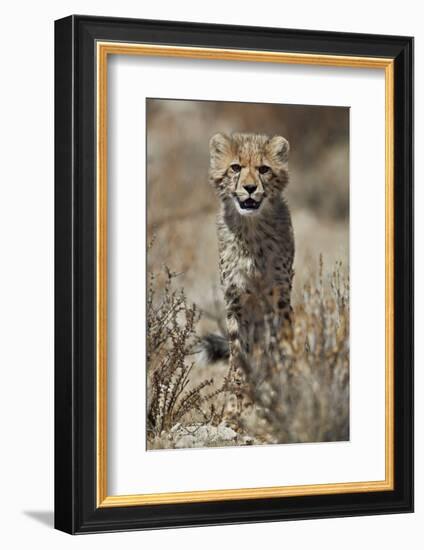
(255, 237)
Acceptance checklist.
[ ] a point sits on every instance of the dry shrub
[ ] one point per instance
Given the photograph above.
(171, 323)
(300, 388)
(170, 330)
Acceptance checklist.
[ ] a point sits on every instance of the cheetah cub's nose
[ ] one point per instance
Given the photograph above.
(250, 188)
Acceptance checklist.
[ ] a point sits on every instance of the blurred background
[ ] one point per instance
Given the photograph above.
(182, 205)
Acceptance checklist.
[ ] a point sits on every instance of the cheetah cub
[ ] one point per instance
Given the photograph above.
(255, 239)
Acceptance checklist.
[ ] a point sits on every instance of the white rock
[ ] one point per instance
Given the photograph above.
(201, 435)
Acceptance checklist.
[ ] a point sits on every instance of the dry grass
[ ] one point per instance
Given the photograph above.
(297, 392)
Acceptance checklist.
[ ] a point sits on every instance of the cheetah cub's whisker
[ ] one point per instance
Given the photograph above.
(256, 245)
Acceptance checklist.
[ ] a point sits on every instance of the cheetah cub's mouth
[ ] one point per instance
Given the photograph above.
(249, 204)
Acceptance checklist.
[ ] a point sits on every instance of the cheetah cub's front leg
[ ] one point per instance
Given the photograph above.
(281, 313)
(237, 343)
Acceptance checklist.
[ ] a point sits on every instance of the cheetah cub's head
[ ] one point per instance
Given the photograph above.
(248, 170)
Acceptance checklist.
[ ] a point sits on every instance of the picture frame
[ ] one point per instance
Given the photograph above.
(83, 45)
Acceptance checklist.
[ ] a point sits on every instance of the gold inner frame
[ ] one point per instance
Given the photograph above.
(103, 50)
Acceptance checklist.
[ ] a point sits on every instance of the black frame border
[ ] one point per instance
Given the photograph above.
(75, 274)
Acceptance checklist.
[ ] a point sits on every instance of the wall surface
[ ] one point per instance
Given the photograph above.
(26, 275)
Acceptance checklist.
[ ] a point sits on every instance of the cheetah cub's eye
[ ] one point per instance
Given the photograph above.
(236, 167)
(264, 169)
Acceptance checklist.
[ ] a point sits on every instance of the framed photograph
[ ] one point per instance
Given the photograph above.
(234, 274)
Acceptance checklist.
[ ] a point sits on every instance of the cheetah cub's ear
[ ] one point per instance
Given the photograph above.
(278, 149)
(219, 146)
(220, 157)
